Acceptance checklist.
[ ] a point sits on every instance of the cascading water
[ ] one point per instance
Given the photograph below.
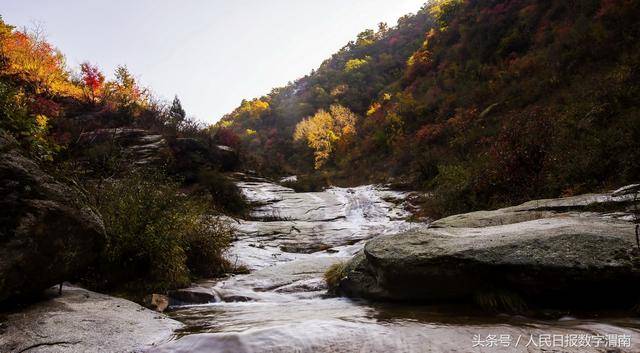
(291, 240)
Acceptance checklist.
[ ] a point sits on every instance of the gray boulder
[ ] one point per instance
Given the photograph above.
(535, 251)
(193, 295)
(47, 235)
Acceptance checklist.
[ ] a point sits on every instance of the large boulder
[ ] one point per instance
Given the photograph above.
(83, 321)
(545, 252)
(47, 235)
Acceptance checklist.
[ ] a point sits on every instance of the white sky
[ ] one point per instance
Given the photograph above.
(212, 54)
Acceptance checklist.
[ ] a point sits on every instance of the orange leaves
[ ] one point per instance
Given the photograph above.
(31, 59)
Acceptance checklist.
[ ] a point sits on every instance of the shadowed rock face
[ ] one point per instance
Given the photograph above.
(138, 147)
(46, 234)
(531, 250)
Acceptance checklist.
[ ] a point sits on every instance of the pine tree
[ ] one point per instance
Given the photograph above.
(176, 113)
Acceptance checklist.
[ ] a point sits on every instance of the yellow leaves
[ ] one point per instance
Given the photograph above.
(224, 123)
(250, 132)
(253, 108)
(355, 64)
(373, 108)
(442, 10)
(324, 130)
(339, 90)
(41, 121)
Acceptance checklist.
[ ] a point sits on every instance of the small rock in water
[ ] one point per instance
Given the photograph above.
(157, 302)
(194, 295)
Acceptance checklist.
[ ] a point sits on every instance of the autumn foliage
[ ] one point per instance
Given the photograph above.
(500, 101)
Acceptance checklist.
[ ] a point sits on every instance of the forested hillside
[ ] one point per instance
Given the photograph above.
(353, 77)
(100, 181)
(504, 100)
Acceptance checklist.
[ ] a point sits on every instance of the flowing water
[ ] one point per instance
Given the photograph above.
(282, 306)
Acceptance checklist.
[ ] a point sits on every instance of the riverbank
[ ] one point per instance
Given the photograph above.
(80, 320)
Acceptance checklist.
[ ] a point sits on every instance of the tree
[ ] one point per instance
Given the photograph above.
(124, 92)
(92, 79)
(325, 130)
(176, 113)
(27, 56)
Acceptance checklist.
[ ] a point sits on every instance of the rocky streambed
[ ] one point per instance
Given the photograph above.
(293, 238)
(572, 252)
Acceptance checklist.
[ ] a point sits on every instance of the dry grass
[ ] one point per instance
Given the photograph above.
(334, 275)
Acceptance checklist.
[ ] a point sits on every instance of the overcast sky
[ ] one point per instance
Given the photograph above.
(211, 53)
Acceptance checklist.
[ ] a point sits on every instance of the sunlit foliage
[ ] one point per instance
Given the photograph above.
(93, 81)
(325, 131)
(352, 78)
(497, 102)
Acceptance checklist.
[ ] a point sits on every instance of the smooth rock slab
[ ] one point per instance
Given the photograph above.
(619, 200)
(550, 260)
(84, 321)
(299, 276)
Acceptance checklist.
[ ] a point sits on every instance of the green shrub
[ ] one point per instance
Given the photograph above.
(157, 238)
(225, 194)
(451, 191)
(19, 119)
(205, 241)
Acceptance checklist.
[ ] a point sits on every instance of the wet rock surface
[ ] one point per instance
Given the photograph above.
(282, 306)
(551, 260)
(546, 251)
(411, 337)
(84, 321)
(193, 295)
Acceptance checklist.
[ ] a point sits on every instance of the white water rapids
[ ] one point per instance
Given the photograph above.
(282, 305)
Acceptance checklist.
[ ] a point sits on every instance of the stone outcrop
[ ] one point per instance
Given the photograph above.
(548, 252)
(135, 146)
(47, 234)
(192, 155)
(84, 321)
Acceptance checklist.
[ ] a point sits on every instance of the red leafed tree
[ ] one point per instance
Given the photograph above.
(93, 80)
(227, 137)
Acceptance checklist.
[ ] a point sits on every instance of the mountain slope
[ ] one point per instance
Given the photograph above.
(505, 100)
(353, 77)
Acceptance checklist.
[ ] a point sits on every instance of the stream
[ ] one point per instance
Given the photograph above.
(281, 306)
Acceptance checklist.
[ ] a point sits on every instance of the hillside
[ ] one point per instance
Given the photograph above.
(504, 101)
(353, 77)
(101, 182)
